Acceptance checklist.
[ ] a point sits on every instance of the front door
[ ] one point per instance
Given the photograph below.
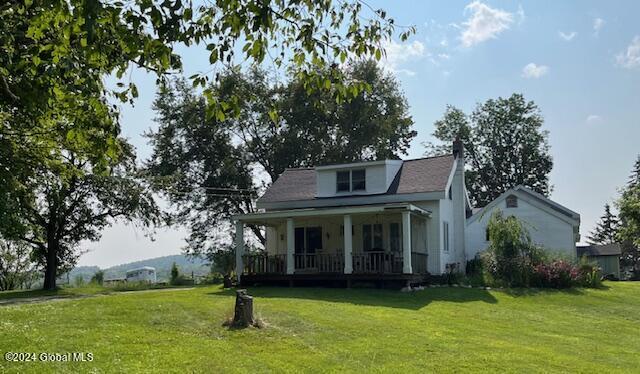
(314, 239)
(307, 241)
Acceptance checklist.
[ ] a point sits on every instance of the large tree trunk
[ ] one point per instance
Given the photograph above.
(51, 266)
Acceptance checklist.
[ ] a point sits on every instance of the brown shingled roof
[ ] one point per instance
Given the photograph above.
(415, 176)
(293, 184)
(612, 249)
(423, 175)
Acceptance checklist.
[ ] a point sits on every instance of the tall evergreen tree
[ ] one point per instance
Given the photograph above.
(634, 178)
(606, 229)
(629, 232)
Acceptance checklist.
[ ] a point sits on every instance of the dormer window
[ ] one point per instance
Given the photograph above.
(343, 184)
(351, 180)
(512, 201)
(358, 182)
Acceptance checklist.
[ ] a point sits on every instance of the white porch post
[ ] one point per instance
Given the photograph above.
(406, 242)
(348, 244)
(291, 243)
(239, 248)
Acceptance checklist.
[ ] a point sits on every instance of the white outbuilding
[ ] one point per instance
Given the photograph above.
(550, 224)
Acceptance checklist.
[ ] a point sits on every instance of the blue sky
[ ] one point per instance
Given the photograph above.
(579, 61)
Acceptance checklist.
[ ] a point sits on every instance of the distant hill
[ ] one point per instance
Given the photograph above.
(186, 265)
(86, 272)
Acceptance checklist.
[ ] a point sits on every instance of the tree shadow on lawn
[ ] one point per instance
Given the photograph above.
(371, 297)
(518, 292)
(21, 294)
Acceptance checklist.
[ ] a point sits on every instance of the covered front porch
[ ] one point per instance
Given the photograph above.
(380, 242)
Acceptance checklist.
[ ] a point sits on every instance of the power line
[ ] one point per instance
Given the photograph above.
(208, 194)
(229, 189)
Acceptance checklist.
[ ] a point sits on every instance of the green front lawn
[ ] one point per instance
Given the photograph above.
(319, 330)
(63, 292)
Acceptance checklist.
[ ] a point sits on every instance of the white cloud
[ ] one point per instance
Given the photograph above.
(631, 58)
(484, 23)
(398, 53)
(521, 15)
(593, 119)
(567, 36)
(532, 70)
(407, 72)
(598, 23)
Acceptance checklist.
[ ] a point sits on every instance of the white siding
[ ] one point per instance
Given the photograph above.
(446, 215)
(434, 234)
(546, 229)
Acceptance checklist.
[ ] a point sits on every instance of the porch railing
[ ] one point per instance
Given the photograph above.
(319, 262)
(265, 264)
(377, 262)
(374, 262)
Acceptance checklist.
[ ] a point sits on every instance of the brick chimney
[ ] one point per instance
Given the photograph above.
(458, 148)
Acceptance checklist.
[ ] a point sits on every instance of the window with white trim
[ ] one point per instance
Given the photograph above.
(394, 237)
(445, 235)
(343, 183)
(372, 237)
(358, 180)
(351, 180)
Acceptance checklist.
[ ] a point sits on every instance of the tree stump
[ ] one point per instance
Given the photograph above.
(226, 282)
(243, 315)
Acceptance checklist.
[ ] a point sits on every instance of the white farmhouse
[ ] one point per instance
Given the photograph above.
(387, 220)
(143, 274)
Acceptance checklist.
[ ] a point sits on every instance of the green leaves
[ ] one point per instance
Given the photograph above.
(629, 212)
(199, 147)
(505, 146)
(297, 35)
(55, 58)
(187, 14)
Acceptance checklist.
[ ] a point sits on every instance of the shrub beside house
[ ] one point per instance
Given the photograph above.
(513, 260)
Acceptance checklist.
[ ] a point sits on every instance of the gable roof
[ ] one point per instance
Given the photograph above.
(612, 249)
(532, 196)
(423, 175)
(292, 185)
(415, 176)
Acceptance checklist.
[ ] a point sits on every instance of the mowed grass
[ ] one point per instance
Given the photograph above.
(334, 330)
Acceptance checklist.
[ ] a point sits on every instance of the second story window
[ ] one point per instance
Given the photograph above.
(358, 182)
(343, 184)
(351, 180)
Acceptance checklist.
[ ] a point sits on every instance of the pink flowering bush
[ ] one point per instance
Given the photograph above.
(556, 274)
(513, 260)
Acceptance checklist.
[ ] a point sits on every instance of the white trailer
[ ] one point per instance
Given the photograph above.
(143, 274)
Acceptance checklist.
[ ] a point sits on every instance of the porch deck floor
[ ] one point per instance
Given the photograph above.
(332, 279)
